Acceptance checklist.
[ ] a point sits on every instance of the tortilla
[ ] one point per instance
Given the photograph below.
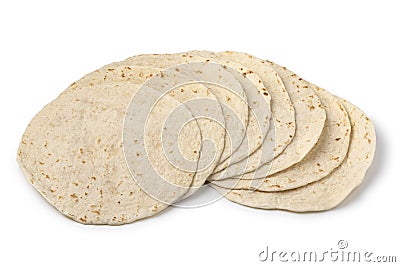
(330, 191)
(161, 81)
(113, 73)
(325, 156)
(134, 137)
(204, 107)
(282, 110)
(259, 108)
(310, 120)
(82, 171)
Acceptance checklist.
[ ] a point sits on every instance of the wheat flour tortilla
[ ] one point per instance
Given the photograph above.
(211, 130)
(233, 102)
(330, 191)
(114, 72)
(227, 89)
(259, 107)
(81, 170)
(283, 116)
(203, 105)
(310, 119)
(154, 78)
(327, 154)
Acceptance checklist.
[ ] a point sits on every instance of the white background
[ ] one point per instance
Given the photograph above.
(348, 47)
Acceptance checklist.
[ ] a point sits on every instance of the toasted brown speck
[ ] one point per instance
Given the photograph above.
(275, 185)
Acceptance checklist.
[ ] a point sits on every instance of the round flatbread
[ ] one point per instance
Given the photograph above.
(72, 153)
(205, 108)
(211, 115)
(283, 116)
(310, 119)
(258, 98)
(330, 191)
(326, 155)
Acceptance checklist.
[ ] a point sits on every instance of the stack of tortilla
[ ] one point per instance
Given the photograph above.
(134, 137)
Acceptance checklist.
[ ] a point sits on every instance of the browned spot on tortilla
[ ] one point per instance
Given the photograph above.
(275, 185)
(83, 219)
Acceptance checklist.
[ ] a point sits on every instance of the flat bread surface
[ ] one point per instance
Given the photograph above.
(258, 98)
(324, 157)
(330, 191)
(211, 123)
(134, 137)
(283, 126)
(81, 170)
(310, 120)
